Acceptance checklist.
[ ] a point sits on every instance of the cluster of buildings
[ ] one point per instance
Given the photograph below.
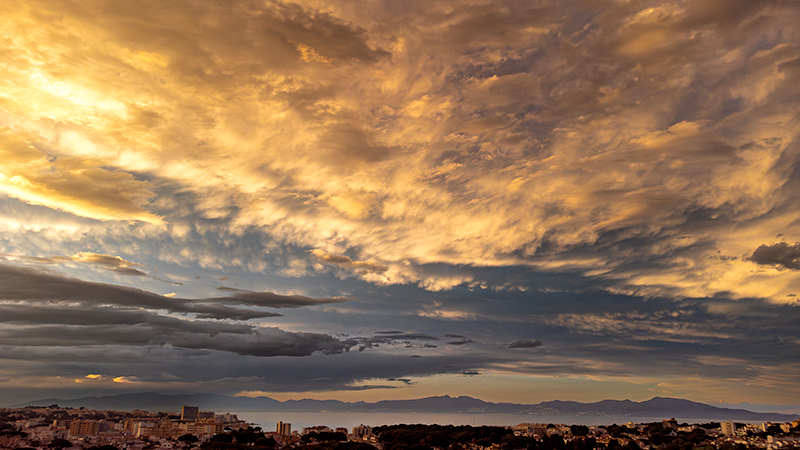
(40, 427)
(284, 435)
(743, 434)
(129, 430)
(768, 435)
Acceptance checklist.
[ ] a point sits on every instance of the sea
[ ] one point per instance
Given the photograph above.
(268, 420)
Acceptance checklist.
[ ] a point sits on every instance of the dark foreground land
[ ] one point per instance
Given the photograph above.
(653, 436)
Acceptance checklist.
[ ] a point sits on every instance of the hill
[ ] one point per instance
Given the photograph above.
(658, 407)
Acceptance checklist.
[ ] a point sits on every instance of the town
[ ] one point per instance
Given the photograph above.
(59, 428)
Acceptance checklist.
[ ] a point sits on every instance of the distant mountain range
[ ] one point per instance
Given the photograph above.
(658, 407)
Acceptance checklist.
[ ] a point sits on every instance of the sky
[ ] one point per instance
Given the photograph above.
(518, 201)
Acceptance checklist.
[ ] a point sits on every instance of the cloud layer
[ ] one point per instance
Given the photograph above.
(512, 188)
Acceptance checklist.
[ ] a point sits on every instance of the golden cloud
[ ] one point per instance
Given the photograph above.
(327, 129)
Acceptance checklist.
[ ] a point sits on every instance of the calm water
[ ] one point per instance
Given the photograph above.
(269, 419)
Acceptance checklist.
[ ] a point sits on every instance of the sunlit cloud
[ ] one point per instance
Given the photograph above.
(486, 183)
(123, 380)
(423, 167)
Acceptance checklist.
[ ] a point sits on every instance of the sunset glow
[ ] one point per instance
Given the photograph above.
(366, 200)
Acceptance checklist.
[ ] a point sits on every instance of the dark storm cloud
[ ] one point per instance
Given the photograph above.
(461, 339)
(699, 338)
(28, 284)
(28, 313)
(176, 368)
(44, 324)
(781, 254)
(263, 342)
(266, 342)
(524, 343)
(46, 309)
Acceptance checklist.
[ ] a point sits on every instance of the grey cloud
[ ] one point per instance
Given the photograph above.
(36, 317)
(112, 263)
(35, 259)
(44, 313)
(109, 262)
(326, 34)
(270, 300)
(409, 340)
(611, 337)
(781, 254)
(222, 312)
(262, 342)
(461, 339)
(346, 261)
(266, 342)
(28, 284)
(129, 271)
(410, 336)
(176, 368)
(524, 343)
(42, 324)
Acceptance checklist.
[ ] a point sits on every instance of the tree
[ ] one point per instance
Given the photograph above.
(103, 447)
(556, 442)
(223, 438)
(188, 438)
(247, 436)
(579, 430)
(59, 443)
(265, 442)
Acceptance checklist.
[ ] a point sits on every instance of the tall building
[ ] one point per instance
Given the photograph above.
(530, 429)
(141, 429)
(362, 431)
(728, 428)
(284, 429)
(84, 427)
(190, 413)
(207, 416)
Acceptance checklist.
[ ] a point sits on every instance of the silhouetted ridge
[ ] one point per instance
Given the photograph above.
(657, 407)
